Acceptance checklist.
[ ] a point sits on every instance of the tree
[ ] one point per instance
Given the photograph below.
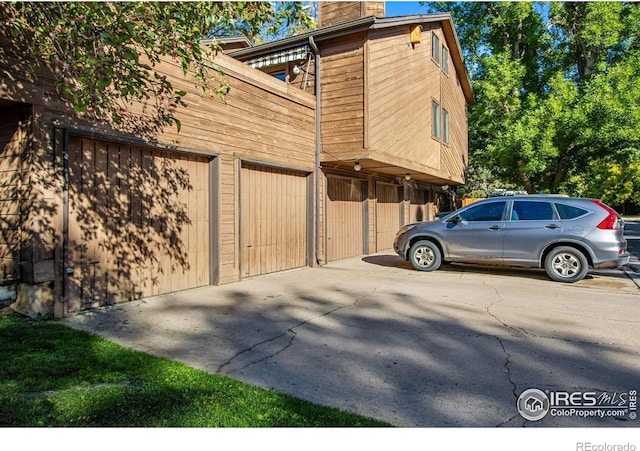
(107, 50)
(614, 183)
(555, 86)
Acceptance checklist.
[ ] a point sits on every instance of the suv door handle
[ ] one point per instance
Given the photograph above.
(552, 226)
(495, 227)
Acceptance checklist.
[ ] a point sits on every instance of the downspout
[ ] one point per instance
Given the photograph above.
(318, 92)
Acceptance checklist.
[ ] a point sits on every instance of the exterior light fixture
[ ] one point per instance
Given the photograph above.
(357, 166)
(407, 177)
(296, 70)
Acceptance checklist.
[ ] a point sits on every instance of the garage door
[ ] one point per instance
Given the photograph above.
(418, 210)
(389, 214)
(346, 218)
(274, 219)
(138, 223)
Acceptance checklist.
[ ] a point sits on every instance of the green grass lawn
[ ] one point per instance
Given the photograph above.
(52, 375)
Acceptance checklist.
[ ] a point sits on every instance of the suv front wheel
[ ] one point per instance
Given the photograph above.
(566, 264)
(425, 256)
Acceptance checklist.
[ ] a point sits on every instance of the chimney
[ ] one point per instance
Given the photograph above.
(332, 13)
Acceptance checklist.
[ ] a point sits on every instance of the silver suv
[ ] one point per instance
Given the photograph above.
(563, 235)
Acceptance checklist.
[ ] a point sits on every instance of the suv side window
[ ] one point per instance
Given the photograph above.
(485, 212)
(569, 211)
(532, 211)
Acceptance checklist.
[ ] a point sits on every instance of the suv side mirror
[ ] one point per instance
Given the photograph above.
(456, 219)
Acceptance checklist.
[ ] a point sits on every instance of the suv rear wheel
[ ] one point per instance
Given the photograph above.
(425, 256)
(566, 264)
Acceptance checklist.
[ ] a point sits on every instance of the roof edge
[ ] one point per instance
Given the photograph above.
(369, 23)
(318, 35)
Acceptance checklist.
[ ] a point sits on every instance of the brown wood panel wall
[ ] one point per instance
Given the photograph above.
(331, 13)
(346, 220)
(374, 9)
(402, 82)
(14, 137)
(418, 208)
(138, 222)
(260, 115)
(455, 154)
(274, 219)
(389, 214)
(342, 75)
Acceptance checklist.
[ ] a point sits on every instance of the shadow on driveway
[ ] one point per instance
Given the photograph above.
(372, 336)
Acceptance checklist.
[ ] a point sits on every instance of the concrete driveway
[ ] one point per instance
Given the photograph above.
(455, 347)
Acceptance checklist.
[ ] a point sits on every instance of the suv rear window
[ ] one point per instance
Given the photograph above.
(569, 211)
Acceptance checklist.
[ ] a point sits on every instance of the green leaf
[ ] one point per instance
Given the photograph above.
(102, 83)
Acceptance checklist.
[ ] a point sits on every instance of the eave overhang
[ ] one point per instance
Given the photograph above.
(381, 166)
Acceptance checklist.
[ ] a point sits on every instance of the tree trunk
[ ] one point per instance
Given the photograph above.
(524, 178)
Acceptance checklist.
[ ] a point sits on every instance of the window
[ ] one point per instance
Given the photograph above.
(280, 75)
(439, 122)
(569, 211)
(435, 119)
(435, 47)
(491, 211)
(445, 126)
(445, 60)
(532, 211)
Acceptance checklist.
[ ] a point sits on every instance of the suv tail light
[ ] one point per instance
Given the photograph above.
(613, 221)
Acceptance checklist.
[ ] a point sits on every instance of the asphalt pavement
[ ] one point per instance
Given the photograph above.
(455, 347)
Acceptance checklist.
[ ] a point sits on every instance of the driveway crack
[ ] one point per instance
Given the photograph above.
(290, 331)
(506, 369)
(518, 331)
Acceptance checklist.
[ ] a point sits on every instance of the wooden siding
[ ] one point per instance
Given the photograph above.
(342, 75)
(374, 9)
(419, 208)
(403, 81)
(274, 219)
(346, 218)
(138, 222)
(332, 13)
(389, 214)
(372, 213)
(261, 118)
(14, 137)
(455, 154)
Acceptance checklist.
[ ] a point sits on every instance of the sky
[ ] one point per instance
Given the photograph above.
(396, 8)
(400, 8)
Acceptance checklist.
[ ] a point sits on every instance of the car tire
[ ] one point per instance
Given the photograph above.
(425, 256)
(566, 264)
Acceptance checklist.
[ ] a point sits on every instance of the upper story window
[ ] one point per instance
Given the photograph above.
(435, 47)
(435, 119)
(445, 60)
(445, 126)
(439, 122)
